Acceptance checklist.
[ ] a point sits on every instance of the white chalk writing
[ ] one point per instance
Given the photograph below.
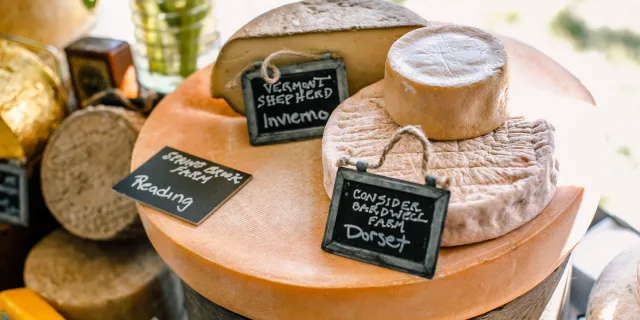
(384, 212)
(294, 92)
(141, 184)
(355, 232)
(295, 118)
(186, 168)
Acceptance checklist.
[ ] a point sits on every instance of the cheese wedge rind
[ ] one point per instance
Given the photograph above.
(359, 31)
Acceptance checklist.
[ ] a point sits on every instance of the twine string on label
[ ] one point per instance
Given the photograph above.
(266, 64)
(148, 101)
(442, 182)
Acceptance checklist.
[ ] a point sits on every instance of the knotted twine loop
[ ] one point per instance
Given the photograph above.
(266, 64)
(148, 102)
(442, 182)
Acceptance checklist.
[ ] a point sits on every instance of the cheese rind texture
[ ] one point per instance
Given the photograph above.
(501, 180)
(615, 294)
(359, 31)
(84, 158)
(452, 80)
(88, 280)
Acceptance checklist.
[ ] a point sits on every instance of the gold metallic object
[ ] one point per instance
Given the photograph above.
(33, 101)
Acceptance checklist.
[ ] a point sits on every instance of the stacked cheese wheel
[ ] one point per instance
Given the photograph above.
(452, 82)
(101, 266)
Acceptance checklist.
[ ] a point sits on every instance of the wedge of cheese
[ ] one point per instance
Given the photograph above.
(501, 180)
(87, 155)
(88, 280)
(451, 80)
(616, 293)
(359, 31)
(24, 304)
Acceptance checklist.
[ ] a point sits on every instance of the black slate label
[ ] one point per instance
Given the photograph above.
(13, 194)
(296, 107)
(386, 222)
(183, 185)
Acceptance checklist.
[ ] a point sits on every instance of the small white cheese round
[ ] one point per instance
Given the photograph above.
(616, 293)
(452, 80)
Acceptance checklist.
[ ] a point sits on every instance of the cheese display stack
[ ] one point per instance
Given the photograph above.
(259, 255)
(451, 81)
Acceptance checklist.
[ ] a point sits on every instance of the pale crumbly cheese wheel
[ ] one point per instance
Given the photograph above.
(89, 280)
(85, 157)
(452, 80)
(500, 180)
(616, 294)
(359, 31)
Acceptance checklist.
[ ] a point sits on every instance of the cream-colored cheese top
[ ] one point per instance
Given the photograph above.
(447, 56)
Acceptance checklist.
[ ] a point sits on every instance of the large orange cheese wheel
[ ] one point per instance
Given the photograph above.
(259, 255)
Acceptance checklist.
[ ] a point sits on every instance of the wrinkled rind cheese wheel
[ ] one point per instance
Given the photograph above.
(500, 180)
(88, 280)
(452, 80)
(359, 31)
(85, 157)
(615, 294)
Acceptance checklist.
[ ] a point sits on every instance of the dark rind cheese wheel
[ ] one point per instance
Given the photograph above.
(88, 280)
(15, 243)
(546, 301)
(86, 156)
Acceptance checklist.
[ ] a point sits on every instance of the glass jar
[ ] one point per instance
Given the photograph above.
(174, 38)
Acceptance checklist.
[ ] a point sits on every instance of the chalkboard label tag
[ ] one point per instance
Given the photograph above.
(296, 107)
(183, 185)
(387, 222)
(14, 204)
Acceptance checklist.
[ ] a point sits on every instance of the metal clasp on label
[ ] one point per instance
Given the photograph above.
(326, 56)
(361, 166)
(430, 181)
